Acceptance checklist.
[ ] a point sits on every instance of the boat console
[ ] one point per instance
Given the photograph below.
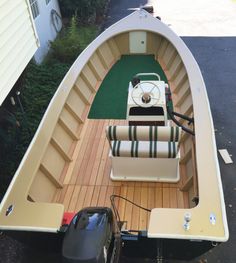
(147, 101)
(147, 149)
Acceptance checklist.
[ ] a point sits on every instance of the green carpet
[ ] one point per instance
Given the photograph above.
(111, 99)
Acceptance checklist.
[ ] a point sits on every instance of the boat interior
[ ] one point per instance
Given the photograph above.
(69, 161)
(75, 168)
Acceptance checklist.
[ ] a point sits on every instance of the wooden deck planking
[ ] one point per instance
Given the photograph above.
(95, 165)
(68, 195)
(143, 213)
(166, 197)
(95, 196)
(180, 199)
(102, 196)
(90, 183)
(122, 203)
(116, 192)
(88, 153)
(173, 197)
(88, 196)
(91, 151)
(81, 198)
(106, 173)
(103, 159)
(85, 138)
(159, 197)
(129, 206)
(151, 200)
(136, 210)
(100, 173)
(74, 198)
(110, 191)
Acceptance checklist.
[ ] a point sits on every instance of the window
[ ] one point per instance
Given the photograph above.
(47, 2)
(34, 7)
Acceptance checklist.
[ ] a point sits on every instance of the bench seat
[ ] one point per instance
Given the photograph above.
(144, 153)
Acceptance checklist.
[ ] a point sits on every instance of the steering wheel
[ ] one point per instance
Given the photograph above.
(146, 94)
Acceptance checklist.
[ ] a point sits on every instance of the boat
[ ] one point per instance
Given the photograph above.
(129, 128)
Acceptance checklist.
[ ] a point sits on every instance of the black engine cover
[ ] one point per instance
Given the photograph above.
(88, 236)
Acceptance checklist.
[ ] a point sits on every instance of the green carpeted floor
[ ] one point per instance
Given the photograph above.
(111, 99)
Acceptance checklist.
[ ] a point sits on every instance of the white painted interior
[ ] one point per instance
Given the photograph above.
(137, 42)
(45, 29)
(154, 169)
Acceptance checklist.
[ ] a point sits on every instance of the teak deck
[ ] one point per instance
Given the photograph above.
(90, 183)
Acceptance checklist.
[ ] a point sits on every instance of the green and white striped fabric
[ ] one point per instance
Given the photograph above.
(144, 149)
(143, 133)
(144, 141)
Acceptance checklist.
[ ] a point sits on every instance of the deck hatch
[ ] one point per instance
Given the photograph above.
(138, 42)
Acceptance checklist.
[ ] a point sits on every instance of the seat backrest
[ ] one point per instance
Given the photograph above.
(143, 133)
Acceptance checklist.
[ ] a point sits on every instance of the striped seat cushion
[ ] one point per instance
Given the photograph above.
(143, 133)
(145, 149)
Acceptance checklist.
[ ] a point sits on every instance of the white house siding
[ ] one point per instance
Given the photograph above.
(44, 26)
(18, 42)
